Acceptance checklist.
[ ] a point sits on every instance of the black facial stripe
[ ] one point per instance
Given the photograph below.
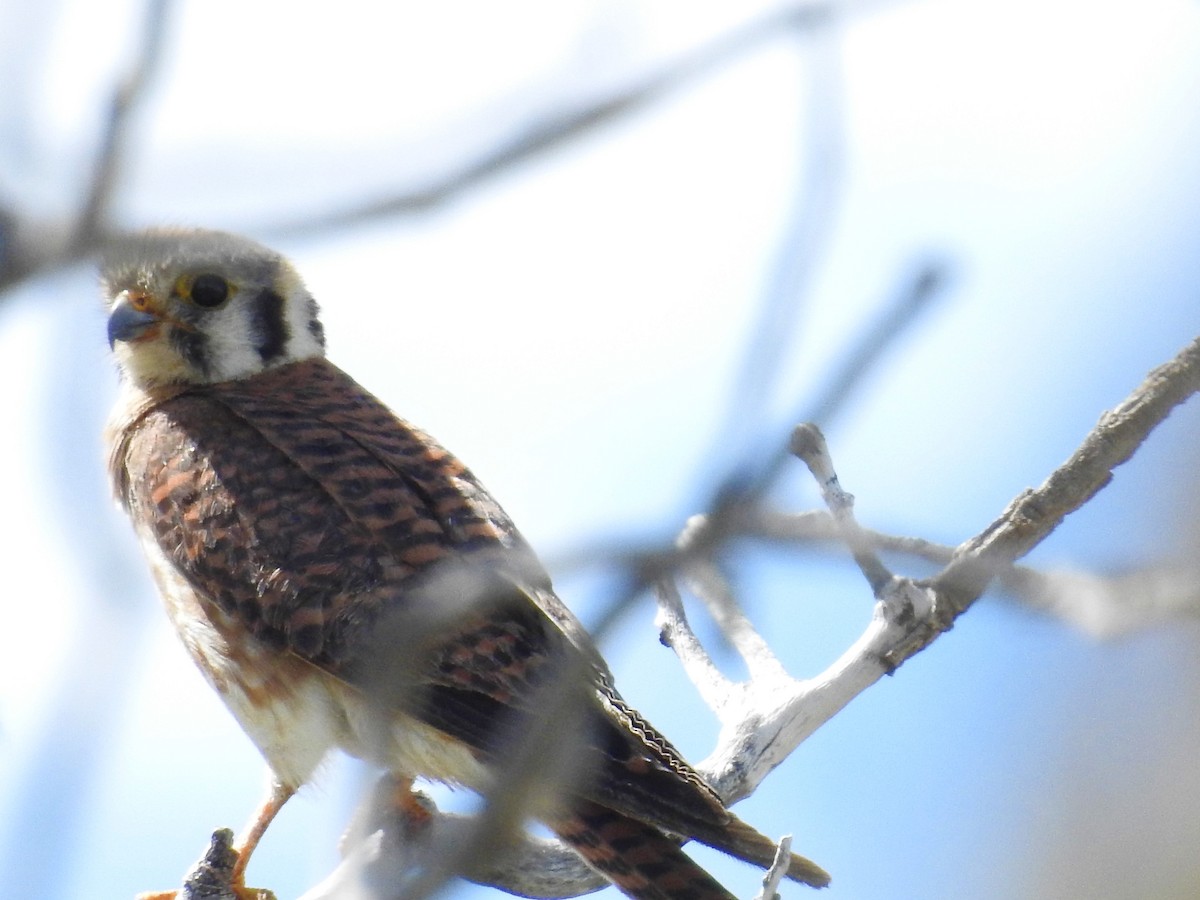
(315, 328)
(192, 346)
(269, 326)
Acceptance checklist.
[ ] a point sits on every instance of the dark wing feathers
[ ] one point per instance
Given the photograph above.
(240, 523)
(298, 502)
(301, 505)
(391, 477)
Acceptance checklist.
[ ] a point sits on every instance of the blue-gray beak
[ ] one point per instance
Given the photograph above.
(125, 323)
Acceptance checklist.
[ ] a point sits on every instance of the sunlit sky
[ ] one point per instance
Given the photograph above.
(573, 329)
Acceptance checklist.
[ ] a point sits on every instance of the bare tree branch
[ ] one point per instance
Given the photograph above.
(774, 876)
(1034, 514)
(714, 688)
(773, 713)
(764, 718)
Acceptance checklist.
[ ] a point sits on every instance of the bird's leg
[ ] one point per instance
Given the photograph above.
(411, 805)
(393, 805)
(278, 795)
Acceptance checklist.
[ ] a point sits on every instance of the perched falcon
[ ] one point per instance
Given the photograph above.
(343, 581)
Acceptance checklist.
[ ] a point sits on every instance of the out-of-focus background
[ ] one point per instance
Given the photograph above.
(582, 320)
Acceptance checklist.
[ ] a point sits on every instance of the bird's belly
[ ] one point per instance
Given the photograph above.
(405, 746)
(280, 701)
(294, 712)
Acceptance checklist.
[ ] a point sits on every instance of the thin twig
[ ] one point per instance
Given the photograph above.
(774, 876)
(927, 283)
(676, 633)
(808, 444)
(917, 294)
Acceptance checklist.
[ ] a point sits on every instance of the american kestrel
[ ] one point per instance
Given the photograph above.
(342, 581)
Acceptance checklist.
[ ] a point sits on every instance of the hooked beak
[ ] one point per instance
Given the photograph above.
(131, 318)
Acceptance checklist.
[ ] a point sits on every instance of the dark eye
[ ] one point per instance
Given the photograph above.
(209, 291)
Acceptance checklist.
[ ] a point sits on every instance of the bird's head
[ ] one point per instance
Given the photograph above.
(198, 307)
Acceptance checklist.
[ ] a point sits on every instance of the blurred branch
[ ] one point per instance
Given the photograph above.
(926, 283)
(382, 860)
(29, 244)
(1107, 606)
(738, 509)
(128, 97)
(557, 128)
(913, 297)
(1103, 605)
(739, 496)
(800, 249)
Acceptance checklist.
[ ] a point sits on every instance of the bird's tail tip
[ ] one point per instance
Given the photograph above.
(744, 842)
(807, 872)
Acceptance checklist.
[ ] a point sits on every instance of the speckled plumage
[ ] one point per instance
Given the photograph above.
(308, 544)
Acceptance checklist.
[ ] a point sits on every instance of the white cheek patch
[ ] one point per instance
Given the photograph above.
(229, 351)
(302, 342)
(305, 338)
(234, 333)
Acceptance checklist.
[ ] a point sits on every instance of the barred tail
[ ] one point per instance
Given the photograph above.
(740, 840)
(639, 859)
(646, 864)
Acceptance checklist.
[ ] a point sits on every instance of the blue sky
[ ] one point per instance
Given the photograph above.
(573, 329)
